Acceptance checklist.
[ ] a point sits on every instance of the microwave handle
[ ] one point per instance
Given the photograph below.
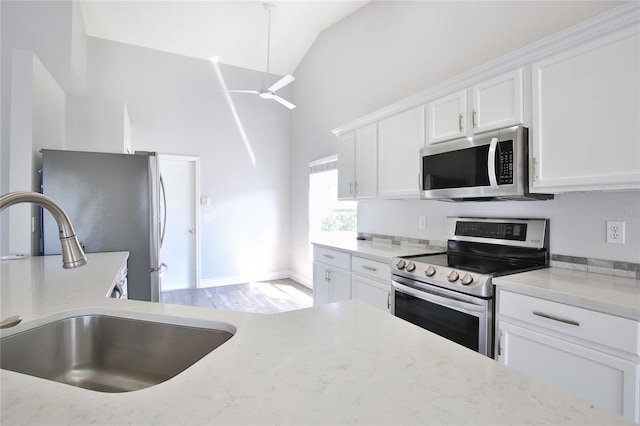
(491, 163)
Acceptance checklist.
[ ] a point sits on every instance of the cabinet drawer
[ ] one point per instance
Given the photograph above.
(336, 258)
(371, 268)
(604, 329)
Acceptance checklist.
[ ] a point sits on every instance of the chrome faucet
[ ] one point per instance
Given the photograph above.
(72, 254)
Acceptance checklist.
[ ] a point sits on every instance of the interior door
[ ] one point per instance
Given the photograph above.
(180, 246)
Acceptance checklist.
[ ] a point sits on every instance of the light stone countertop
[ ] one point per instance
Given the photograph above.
(341, 363)
(381, 252)
(603, 293)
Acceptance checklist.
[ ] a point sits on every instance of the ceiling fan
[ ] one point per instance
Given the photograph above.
(269, 92)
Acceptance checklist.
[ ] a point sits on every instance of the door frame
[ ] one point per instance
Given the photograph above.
(196, 201)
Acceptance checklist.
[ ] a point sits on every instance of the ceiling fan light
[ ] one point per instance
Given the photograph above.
(266, 95)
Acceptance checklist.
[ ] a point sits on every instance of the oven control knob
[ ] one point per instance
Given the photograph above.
(400, 264)
(466, 279)
(411, 267)
(430, 271)
(453, 276)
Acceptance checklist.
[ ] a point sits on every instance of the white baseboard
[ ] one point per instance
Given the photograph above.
(218, 282)
(307, 282)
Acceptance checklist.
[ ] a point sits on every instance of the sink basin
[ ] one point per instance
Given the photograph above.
(106, 353)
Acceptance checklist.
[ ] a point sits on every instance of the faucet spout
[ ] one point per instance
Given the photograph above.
(72, 254)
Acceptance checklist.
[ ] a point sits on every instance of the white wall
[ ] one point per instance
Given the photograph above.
(52, 31)
(96, 125)
(37, 121)
(175, 108)
(78, 65)
(387, 51)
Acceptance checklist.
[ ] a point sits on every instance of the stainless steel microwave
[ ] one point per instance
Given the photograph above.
(488, 167)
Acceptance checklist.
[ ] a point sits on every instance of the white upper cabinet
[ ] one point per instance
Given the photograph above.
(346, 165)
(489, 105)
(357, 164)
(498, 102)
(585, 113)
(447, 117)
(399, 141)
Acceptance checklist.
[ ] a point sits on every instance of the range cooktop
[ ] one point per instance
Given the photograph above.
(495, 266)
(478, 249)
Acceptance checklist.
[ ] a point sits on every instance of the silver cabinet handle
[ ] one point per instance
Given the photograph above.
(556, 318)
(11, 321)
(328, 256)
(388, 300)
(356, 187)
(475, 118)
(368, 268)
(460, 117)
(328, 274)
(350, 187)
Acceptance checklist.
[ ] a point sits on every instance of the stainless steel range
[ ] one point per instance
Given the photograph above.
(452, 293)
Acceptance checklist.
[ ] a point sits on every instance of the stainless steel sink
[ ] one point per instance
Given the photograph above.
(108, 354)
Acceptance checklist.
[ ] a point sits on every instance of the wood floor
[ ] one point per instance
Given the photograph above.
(267, 297)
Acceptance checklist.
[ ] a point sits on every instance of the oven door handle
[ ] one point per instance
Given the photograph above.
(491, 163)
(442, 300)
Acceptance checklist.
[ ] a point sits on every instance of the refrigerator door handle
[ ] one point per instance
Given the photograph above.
(161, 270)
(164, 211)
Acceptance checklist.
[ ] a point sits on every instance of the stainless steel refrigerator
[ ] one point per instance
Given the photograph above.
(113, 201)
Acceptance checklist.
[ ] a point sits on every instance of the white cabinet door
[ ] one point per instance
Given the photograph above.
(371, 291)
(447, 117)
(498, 102)
(585, 113)
(330, 284)
(320, 284)
(346, 166)
(366, 162)
(357, 164)
(339, 285)
(605, 380)
(399, 141)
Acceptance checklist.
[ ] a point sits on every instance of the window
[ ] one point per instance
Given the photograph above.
(328, 215)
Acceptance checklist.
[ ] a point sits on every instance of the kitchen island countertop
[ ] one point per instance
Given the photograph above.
(333, 364)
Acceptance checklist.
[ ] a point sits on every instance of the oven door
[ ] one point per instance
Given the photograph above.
(464, 319)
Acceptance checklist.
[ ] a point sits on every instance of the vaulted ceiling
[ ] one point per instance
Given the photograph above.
(234, 31)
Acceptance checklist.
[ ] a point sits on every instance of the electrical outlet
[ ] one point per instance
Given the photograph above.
(422, 222)
(615, 232)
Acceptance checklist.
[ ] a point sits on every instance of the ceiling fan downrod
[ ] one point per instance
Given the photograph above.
(268, 7)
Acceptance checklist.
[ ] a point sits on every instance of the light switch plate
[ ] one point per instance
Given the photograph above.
(422, 222)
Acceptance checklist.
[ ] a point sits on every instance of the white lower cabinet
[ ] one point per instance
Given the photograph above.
(563, 345)
(338, 275)
(331, 276)
(371, 283)
(371, 291)
(330, 284)
(119, 287)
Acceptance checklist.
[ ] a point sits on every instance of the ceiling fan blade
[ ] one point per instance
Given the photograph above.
(283, 102)
(255, 92)
(281, 83)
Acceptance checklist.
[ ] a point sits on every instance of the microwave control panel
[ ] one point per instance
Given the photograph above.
(504, 164)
